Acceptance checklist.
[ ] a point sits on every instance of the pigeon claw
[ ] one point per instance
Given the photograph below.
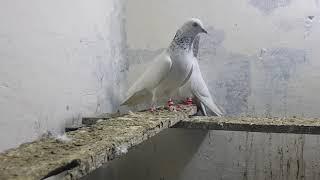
(172, 108)
(152, 109)
(170, 103)
(178, 107)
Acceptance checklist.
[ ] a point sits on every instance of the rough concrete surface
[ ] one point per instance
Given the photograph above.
(254, 124)
(89, 147)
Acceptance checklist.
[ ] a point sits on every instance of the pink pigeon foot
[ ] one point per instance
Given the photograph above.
(178, 107)
(188, 101)
(170, 105)
(152, 109)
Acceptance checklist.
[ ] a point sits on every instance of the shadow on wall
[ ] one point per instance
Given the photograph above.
(164, 156)
(179, 154)
(247, 155)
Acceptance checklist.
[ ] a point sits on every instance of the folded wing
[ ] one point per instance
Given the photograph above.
(143, 88)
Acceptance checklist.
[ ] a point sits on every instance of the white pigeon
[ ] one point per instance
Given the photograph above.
(169, 70)
(197, 89)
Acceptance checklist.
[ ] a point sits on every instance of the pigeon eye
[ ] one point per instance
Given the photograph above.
(195, 24)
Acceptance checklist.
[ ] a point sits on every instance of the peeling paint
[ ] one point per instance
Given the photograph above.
(73, 58)
(308, 25)
(268, 6)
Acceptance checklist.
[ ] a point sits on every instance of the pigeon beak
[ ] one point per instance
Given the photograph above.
(204, 31)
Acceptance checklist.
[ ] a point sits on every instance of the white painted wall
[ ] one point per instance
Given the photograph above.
(59, 60)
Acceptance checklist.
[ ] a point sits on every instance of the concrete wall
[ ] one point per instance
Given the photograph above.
(260, 58)
(180, 154)
(59, 60)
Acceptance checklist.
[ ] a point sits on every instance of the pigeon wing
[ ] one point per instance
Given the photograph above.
(142, 89)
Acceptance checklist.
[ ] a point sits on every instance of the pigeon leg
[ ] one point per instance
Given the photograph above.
(178, 107)
(170, 105)
(152, 109)
(153, 104)
(188, 101)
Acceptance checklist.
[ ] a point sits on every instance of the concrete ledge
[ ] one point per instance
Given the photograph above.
(270, 125)
(89, 147)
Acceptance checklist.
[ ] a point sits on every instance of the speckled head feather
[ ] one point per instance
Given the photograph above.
(187, 33)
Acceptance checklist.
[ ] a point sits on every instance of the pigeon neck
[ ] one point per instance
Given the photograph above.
(182, 41)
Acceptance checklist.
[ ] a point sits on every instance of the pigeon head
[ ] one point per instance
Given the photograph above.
(186, 34)
(193, 27)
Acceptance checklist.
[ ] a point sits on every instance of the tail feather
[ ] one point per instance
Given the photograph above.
(213, 108)
(208, 103)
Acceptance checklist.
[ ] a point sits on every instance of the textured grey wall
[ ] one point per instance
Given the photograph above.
(260, 58)
(59, 60)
